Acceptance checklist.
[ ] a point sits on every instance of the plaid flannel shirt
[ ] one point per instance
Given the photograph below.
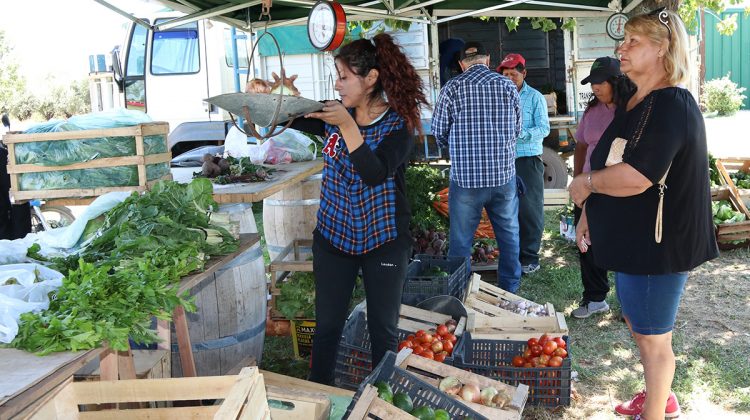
(478, 115)
(355, 217)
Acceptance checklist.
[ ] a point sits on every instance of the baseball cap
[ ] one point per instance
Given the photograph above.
(472, 49)
(511, 61)
(602, 70)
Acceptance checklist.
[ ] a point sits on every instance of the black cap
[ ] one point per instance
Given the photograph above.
(602, 70)
(472, 49)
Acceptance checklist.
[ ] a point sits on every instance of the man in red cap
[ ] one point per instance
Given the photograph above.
(529, 166)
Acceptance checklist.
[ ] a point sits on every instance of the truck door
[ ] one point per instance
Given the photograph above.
(134, 72)
(176, 77)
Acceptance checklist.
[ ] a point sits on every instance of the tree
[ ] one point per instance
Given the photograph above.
(689, 9)
(12, 84)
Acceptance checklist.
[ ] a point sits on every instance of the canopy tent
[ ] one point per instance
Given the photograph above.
(246, 15)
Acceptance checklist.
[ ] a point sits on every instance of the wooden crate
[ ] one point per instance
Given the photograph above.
(293, 404)
(433, 372)
(732, 235)
(370, 406)
(243, 395)
(489, 321)
(556, 197)
(287, 262)
(139, 159)
(149, 364)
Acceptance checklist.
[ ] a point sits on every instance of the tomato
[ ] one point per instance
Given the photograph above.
(442, 330)
(560, 342)
(543, 339)
(560, 352)
(427, 338)
(555, 361)
(448, 346)
(437, 346)
(535, 361)
(536, 350)
(405, 344)
(411, 337)
(544, 360)
(526, 353)
(417, 349)
(532, 342)
(528, 365)
(436, 338)
(518, 361)
(549, 347)
(452, 338)
(420, 333)
(428, 354)
(440, 357)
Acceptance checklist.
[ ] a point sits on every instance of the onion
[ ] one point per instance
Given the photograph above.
(487, 396)
(451, 325)
(470, 392)
(450, 385)
(500, 400)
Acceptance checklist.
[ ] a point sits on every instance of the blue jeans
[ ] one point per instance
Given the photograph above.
(501, 203)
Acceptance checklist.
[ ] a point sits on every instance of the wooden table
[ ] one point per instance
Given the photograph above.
(247, 192)
(25, 377)
(251, 192)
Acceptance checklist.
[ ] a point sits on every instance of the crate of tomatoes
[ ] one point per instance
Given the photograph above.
(429, 334)
(541, 363)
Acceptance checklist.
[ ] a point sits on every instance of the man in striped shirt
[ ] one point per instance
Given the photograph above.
(478, 116)
(529, 164)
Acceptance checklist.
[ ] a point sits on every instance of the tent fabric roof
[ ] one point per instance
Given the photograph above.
(283, 10)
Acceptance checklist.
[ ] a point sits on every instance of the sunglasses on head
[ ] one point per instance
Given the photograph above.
(663, 16)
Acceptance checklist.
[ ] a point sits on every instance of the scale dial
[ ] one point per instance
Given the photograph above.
(616, 26)
(326, 25)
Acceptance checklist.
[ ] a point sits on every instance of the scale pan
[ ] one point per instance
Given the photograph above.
(262, 106)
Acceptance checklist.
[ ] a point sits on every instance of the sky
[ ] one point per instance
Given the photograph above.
(56, 37)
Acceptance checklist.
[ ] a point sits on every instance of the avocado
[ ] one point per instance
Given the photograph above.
(403, 401)
(442, 415)
(424, 413)
(384, 391)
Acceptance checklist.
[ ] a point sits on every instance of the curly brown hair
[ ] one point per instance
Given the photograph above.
(397, 77)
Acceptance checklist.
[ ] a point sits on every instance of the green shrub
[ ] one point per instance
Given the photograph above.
(23, 106)
(722, 95)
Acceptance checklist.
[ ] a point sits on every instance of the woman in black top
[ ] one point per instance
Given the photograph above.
(651, 235)
(363, 221)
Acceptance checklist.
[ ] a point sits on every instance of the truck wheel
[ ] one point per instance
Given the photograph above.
(555, 170)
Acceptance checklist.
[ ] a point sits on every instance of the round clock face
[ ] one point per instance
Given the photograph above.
(326, 25)
(616, 26)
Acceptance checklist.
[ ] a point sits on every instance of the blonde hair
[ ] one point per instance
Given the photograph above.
(676, 61)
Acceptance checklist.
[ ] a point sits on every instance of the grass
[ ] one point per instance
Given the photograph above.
(602, 351)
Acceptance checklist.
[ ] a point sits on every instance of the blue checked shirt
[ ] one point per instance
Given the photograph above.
(535, 122)
(353, 216)
(478, 115)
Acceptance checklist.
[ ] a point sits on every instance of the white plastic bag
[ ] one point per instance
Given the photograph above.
(29, 292)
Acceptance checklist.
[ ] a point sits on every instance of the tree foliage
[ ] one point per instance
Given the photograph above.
(11, 82)
(689, 10)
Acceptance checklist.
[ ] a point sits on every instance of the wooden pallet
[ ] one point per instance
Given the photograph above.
(433, 372)
(140, 159)
(243, 395)
(487, 320)
(556, 197)
(734, 194)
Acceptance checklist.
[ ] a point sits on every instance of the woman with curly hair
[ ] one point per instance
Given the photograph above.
(363, 221)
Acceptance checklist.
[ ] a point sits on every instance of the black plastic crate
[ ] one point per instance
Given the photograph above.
(548, 387)
(421, 392)
(420, 285)
(354, 356)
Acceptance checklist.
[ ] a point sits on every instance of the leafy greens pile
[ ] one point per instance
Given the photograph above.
(130, 271)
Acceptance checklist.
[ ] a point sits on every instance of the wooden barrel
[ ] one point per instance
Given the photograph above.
(291, 214)
(230, 321)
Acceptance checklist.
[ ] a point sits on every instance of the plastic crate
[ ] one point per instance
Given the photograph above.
(354, 356)
(421, 392)
(420, 286)
(548, 387)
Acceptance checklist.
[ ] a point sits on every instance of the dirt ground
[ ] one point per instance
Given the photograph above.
(716, 308)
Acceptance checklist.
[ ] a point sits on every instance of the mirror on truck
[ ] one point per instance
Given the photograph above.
(117, 69)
